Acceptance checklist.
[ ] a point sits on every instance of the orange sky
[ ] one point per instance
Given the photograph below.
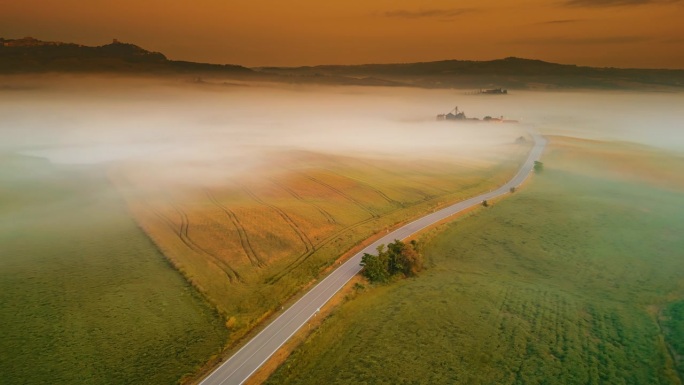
(620, 33)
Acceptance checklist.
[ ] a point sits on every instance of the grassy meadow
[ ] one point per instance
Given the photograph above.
(251, 242)
(575, 279)
(85, 296)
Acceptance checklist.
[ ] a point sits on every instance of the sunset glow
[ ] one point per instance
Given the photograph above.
(615, 33)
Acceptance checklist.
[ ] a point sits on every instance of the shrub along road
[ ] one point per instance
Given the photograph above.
(238, 368)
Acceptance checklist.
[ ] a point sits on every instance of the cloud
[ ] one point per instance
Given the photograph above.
(428, 13)
(582, 40)
(614, 3)
(564, 21)
(674, 40)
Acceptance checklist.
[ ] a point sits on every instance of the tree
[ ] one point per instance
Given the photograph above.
(395, 263)
(412, 259)
(538, 166)
(373, 268)
(397, 258)
(485, 203)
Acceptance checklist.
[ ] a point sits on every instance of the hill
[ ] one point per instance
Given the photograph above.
(510, 72)
(29, 55)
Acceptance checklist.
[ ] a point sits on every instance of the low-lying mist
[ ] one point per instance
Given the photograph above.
(218, 128)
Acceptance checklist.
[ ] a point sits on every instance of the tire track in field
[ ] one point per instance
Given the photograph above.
(301, 234)
(189, 244)
(402, 176)
(251, 253)
(183, 234)
(425, 196)
(303, 257)
(416, 183)
(344, 195)
(368, 186)
(298, 197)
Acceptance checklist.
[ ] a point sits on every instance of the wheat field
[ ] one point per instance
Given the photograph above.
(252, 241)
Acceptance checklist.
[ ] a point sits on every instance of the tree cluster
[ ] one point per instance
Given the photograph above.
(398, 258)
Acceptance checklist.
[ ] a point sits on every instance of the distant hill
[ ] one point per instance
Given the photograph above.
(510, 72)
(30, 55)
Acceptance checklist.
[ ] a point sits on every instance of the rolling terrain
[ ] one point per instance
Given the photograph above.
(29, 55)
(251, 243)
(85, 296)
(573, 280)
(511, 72)
(241, 366)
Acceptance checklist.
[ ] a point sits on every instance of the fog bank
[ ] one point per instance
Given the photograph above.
(183, 122)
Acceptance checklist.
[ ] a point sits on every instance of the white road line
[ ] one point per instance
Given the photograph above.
(256, 352)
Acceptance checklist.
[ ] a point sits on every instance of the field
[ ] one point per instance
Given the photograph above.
(85, 296)
(250, 242)
(575, 279)
(672, 324)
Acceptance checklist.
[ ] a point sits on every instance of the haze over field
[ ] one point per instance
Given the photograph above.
(177, 122)
(209, 133)
(175, 176)
(250, 190)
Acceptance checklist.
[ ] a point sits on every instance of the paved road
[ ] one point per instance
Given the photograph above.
(238, 368)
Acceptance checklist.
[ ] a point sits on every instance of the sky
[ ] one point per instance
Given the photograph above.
(603, 33)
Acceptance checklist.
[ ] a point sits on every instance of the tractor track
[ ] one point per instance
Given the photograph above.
(344, 195)
(247, 247)
(298, 197)
(301, 234)
(183, 234)
(368, 186)
(303, 257)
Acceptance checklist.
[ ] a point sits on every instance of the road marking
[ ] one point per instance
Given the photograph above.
(350, 268)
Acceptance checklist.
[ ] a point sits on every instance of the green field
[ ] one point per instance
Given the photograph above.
(672, 323)
(576, 279)
(85, 297)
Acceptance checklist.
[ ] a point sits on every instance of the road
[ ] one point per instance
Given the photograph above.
(239, 367)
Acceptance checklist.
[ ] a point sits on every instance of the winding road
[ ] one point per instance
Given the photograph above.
(239, 367)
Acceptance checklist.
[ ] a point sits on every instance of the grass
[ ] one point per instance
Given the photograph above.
(249, 243)
(561, 283)
(85, 296)
(673, 328)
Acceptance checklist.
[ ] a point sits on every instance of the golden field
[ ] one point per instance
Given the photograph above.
(251, 241)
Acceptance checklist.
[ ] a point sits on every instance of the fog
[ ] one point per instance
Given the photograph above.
(191, 126)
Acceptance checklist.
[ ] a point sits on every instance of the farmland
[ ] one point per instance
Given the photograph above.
(250, 242)
(576, 279)
(85, 297)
